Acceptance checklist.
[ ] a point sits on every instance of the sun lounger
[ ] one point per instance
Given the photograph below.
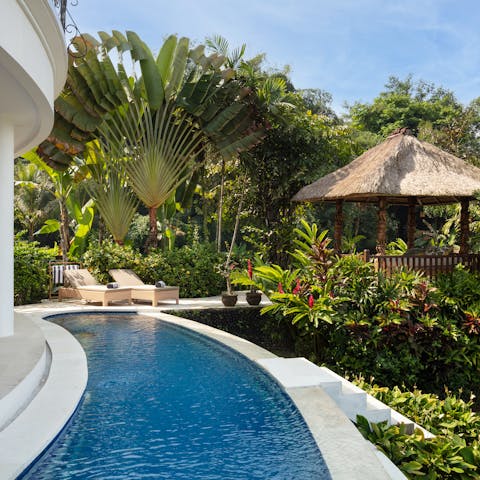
(82, 285)
(140, 291)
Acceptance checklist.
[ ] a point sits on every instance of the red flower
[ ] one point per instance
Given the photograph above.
(280, 288)
(249, 269)
(311, 301)
(297, 288)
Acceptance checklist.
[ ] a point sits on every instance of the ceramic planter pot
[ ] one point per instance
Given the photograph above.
(254, 298)
(229, 300)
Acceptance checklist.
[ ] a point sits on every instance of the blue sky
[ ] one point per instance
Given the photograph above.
(347, 47)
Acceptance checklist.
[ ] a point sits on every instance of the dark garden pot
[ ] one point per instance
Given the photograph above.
(254, 298)
(229, 300)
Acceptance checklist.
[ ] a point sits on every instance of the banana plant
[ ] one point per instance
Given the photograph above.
(71, 208)
(34, 202)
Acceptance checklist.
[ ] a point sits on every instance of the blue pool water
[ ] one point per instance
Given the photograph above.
(165, 403)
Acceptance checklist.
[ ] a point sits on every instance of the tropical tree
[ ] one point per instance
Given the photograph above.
(74, 210)
(34, 202)
(431, 112)
(157, 124)
(107, 185)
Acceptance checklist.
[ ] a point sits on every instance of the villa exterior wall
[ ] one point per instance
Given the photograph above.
(33, 68)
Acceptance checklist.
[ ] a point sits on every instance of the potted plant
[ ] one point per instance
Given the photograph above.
(229, 297)
(246, 277)
(254, 297)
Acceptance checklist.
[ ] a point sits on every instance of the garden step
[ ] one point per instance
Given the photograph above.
(299, 372)
(352, 400)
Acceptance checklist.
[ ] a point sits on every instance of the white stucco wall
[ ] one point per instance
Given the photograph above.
(33, 68)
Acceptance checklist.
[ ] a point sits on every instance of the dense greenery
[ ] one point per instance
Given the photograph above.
(192, 267)
(454, 452)
(400, 329)
(31, 272)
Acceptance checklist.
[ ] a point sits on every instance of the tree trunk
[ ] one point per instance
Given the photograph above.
(220, 209)
(382, 226)
(64, 233)
(337, 231)
(411, 223)
(152, 240)
(101, 230)
(206, 233)
(464, 226)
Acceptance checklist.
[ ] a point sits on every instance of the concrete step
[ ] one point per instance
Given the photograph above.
(352, 400)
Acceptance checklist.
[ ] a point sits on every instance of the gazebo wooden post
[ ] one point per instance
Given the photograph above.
(411, 222)
(337, 231)
(464, 226)
(382, 226)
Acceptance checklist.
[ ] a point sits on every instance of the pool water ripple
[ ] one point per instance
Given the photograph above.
(162, 402)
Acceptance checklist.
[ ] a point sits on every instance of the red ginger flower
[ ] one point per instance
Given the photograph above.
(311, 301)
(280, 288)
(297, 288)
(249, 269)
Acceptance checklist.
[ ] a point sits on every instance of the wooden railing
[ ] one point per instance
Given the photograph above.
(431, 265)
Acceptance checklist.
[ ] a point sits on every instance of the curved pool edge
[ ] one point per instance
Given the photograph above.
(335, 435)
(337, 438)
(39, 423)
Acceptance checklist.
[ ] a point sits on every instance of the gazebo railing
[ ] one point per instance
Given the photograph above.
(431, 265)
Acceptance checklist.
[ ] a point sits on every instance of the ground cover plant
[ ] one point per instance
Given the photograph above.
(453, 453)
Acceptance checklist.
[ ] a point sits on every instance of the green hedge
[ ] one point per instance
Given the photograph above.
(31, 272)
(192, 268)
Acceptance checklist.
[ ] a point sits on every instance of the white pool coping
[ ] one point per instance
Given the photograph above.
(27, 436)
(346, 453)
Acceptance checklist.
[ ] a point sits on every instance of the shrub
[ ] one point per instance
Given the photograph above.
(30, 272)
(100, 258)
(453, 454)
(400, 329)
(192, 268)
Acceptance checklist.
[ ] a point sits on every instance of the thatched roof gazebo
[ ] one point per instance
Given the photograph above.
(402, 170)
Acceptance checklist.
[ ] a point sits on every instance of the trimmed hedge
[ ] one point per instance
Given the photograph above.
(192, 268)
(30, 272)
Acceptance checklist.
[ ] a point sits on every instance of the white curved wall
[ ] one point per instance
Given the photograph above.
(33, 65)
(33, 68)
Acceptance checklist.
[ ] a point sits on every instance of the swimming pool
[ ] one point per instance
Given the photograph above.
(162, 402)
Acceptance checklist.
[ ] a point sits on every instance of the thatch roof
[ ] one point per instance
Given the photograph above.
(400, 167)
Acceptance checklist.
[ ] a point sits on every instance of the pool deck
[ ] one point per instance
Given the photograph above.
(41, 388)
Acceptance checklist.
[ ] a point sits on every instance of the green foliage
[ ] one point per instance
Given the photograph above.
(439, 458)
(448, 416)
(192, 268)
(100, 258)
(405, 103)
(396, 247)
(299, 147)
(431, 112)
(454, 453)
(31, 272)
(400, 328)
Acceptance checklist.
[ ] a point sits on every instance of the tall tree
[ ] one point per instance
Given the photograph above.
(431, 112)
(158, 123)
(34, 202)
